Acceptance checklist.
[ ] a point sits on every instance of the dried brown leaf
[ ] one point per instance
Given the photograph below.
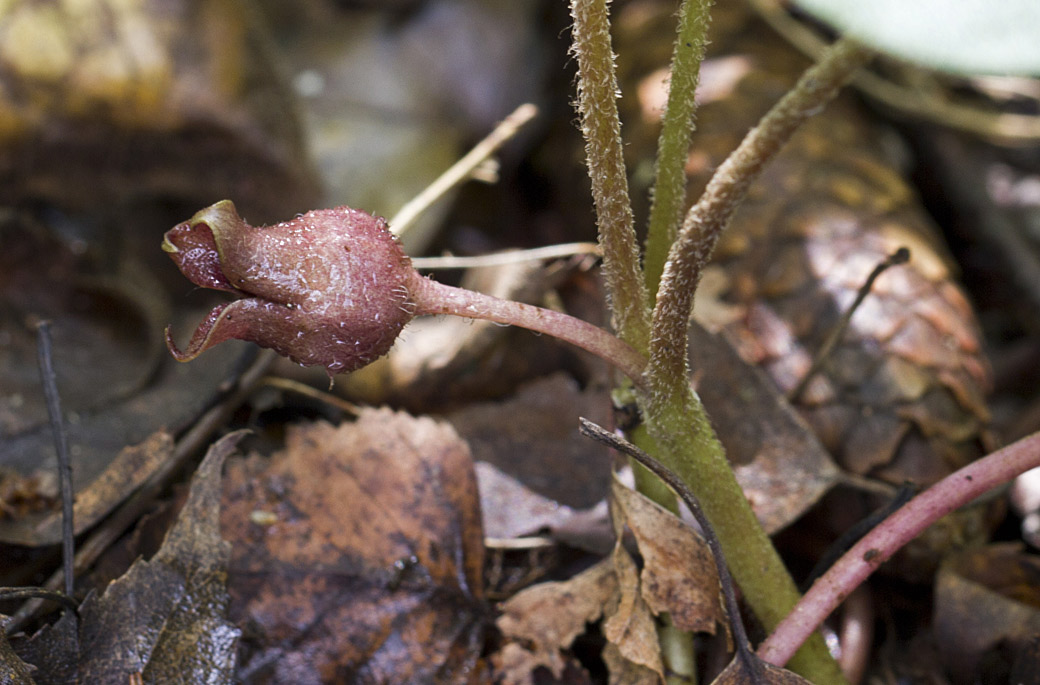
(543, 620)
(359, 555)
(629, 622)
(625, 672)
(679, 576)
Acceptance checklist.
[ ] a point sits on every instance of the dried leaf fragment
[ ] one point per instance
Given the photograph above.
(543, 620)
(679, 575)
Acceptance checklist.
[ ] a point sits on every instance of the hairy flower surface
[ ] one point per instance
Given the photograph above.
(330, 287)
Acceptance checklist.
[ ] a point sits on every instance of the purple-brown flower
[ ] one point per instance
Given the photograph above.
(331, 287)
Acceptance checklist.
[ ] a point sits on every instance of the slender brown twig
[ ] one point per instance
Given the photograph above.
(900, 256)
(61, 446)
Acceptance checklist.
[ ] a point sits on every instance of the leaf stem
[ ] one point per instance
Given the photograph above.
(877, 546)
(601, 128)
(431, 297)
(673, 145)
(726, 190)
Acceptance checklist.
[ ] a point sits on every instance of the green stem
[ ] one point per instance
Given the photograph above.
(688, 446)
(673, 144)
(601, 127)
(670, 407)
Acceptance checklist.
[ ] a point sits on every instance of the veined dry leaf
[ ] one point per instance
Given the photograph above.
(628, 621)
(359, 555)
(986, 600)
(164, 619)
(542, 621)
(679, 576)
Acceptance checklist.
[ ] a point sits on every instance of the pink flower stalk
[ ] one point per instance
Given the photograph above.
(333, 288)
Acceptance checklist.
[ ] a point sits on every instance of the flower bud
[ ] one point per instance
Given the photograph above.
(331, 287)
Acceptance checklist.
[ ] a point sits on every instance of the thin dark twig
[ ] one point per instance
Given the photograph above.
(19, 593)
(740, 638)
(900, 256)
(193, 440)
(61, 446)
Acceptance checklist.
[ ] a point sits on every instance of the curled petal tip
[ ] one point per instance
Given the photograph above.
(167, 246)
(175, 351)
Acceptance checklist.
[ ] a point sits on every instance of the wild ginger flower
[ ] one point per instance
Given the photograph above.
(333, 288)
(328, 288)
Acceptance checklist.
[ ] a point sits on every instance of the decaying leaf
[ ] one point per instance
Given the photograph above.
(625, 672)
(359, 555)
(628, 620)
(116, 388)
(987, 609)
(164, 619)
(543, 620)
(778, 460)
(679, 576)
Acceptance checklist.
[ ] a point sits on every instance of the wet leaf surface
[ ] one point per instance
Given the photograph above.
(118, 387)
(165, 619)
(359, 555)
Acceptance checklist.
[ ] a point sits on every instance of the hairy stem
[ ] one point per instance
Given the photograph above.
(431, 297)
(673, 144)
(674, 414)
(877, 546)
(726, 190)
(601, 128)
(688, 446)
